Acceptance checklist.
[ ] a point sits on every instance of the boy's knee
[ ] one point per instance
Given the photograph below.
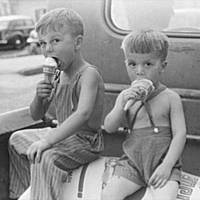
(168, 192)
(47, 158)
(14, 138)
(20, 141)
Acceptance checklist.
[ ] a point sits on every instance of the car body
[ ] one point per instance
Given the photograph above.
(14, 30)
(185, 20)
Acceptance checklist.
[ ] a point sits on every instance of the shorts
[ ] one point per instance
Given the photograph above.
(125, 168)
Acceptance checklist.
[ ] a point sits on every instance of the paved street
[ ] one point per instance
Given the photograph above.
(10, 53)
(17, 90)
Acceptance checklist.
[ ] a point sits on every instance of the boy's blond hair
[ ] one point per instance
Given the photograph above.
(61, 20)
(146, 41)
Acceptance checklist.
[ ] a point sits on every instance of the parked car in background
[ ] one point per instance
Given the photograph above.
(14, 30)
(33, 43)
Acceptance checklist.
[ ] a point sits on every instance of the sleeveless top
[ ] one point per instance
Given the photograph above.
(66, 100)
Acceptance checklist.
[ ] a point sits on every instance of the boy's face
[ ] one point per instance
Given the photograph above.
(59, 45)
(144, 65)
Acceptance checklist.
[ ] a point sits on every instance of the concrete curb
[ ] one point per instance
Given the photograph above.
(31, 71)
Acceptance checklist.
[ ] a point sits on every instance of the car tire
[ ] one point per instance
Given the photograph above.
(18, 42)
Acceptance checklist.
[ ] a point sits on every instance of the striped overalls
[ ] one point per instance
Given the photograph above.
(47, 177)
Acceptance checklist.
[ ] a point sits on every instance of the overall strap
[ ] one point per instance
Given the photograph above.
(149, 113)
(147, 106)
(157, 91)
(131, 121)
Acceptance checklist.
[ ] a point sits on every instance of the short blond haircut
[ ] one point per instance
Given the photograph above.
(146, 41)
(61, 20)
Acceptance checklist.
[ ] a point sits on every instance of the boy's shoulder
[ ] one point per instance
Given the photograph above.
(91, 70)
(170, 94)
(91, 75)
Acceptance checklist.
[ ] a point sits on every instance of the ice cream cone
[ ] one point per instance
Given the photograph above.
(49, 69)
(144, 88)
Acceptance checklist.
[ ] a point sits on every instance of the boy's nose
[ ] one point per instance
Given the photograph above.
(139, 70)
(49, 47)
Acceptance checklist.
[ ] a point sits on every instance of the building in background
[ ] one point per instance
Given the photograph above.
(5, 8)
(30, 8)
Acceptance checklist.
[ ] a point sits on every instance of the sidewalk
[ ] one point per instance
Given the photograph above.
(13, 53)
(23, 65)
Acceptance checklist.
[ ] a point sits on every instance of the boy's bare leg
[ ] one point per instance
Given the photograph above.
(168, 192)
(118, 188)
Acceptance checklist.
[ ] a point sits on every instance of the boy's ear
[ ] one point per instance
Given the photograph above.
(78, 42)
(164, 65)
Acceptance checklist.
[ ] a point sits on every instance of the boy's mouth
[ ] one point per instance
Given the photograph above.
(57, 61)
(141, 77)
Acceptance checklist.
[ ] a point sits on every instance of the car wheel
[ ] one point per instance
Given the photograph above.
(18, 42)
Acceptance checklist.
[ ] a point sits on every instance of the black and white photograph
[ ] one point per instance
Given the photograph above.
(99, 99)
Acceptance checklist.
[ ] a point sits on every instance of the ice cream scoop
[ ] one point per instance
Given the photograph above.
(144, 88)
(49, 69)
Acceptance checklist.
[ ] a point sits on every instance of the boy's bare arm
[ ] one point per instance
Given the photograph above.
(88, 92)
(178, 130)
(114, 119)
(117, 115)
(40, 104)
(162, 173)
(37, 109)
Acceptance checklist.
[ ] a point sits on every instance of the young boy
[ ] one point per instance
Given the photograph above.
(78, 100)
(158, 133)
